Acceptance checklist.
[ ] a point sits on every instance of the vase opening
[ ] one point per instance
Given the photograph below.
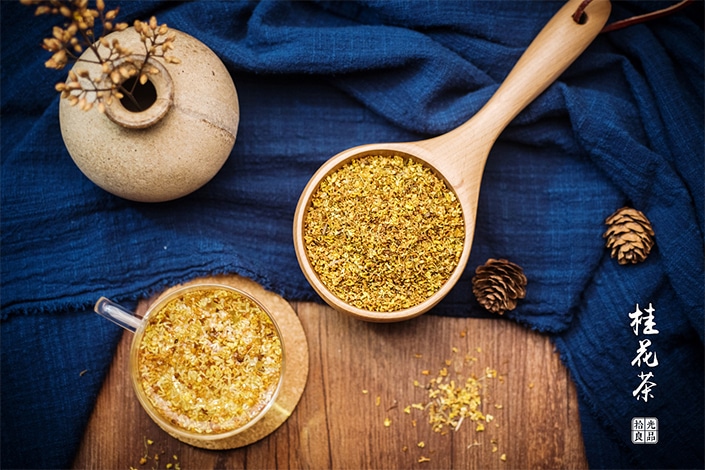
(150, 102)
(143, 95)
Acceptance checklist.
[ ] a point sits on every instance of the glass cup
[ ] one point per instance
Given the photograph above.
(206, 363)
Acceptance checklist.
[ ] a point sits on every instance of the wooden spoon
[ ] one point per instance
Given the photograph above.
(459, 156)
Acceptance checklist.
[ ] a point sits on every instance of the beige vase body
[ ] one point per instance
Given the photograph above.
(171, 148)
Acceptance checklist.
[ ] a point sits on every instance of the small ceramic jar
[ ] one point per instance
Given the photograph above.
(176, 144)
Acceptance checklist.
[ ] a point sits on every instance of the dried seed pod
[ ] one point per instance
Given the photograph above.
(498, 285)
(629, 235)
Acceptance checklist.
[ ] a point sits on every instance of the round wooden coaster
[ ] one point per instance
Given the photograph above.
(295, 366)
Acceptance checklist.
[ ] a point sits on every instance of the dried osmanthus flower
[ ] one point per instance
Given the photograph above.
(498, 285)
(118, 64)
(384, 233)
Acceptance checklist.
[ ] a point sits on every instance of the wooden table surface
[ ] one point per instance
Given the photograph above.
(361, 375)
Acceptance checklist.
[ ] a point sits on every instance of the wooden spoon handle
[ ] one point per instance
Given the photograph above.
(556, 46)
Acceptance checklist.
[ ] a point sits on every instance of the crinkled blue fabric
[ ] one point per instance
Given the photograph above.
(622, 126)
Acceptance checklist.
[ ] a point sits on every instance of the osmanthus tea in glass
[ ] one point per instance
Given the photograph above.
(206, 362)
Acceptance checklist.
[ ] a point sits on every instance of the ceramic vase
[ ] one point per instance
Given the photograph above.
(172, 147)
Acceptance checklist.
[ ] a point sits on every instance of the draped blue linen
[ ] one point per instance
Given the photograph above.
(622, 126)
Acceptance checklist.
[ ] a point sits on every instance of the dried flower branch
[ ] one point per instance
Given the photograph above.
(117, 63)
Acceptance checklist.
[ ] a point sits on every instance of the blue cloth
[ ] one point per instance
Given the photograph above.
(622, 126)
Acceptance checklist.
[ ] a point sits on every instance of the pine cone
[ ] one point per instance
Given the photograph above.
(629, 235)
(498, 284)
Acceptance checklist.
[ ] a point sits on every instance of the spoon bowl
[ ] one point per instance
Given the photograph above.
(458, 157)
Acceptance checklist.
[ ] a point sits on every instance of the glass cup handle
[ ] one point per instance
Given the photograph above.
(117, 314)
